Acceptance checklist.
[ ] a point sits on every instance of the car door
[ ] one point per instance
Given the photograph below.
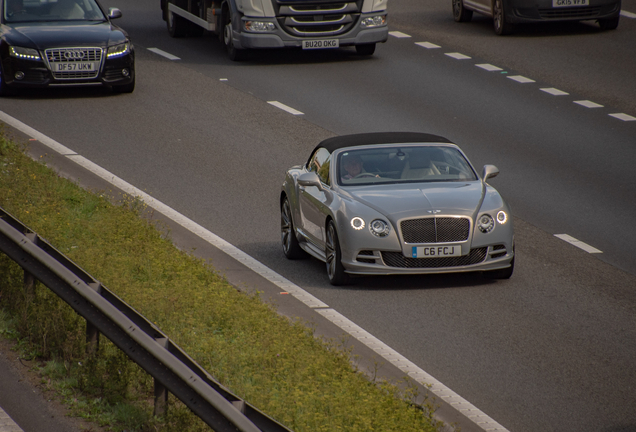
(313, 201)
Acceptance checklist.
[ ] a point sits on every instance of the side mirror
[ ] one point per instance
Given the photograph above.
(309, 179)
(114, 13)
(490, 171)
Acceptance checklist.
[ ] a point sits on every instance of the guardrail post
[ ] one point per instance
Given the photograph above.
(92, 333)
(161, 399)
(29, 279)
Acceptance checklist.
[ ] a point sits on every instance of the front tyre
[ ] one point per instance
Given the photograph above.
(505, 273)
(177, 26)
(126, 88)
(500, 21)
(335, 269)
(365, 49)
(235, 54)
(460, 13)
(291, 247)
(608, 23)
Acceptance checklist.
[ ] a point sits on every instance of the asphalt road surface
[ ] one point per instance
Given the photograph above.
(551, 349)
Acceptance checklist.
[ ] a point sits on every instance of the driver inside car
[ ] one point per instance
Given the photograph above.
(352, 164)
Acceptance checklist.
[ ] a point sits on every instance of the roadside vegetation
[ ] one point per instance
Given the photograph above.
(276, 364)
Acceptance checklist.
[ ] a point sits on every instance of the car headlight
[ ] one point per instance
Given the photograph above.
(375, 21)
(502, 217)
(118, 50)
(259, 26)
(485, 223)
(24, 53)
(379, 228)
(357, 223)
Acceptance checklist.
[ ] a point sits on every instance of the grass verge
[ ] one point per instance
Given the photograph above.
(274, 363)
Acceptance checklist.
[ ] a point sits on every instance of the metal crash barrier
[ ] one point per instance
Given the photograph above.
(172, 369)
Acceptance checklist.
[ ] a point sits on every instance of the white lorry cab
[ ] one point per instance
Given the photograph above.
(308, 24)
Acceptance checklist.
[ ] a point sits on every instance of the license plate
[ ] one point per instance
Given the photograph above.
(570, 3)
(321, 43)
(75, 67)
(436, 251)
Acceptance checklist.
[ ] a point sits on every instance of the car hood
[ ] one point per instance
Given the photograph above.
(57, 35)
(409, 200)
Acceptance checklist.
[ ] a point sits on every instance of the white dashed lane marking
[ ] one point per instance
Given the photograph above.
(588, 104)
(164, 54)
(578, 243)
(554, 92)
(623, 116)
(398, 34)
(488, 67)
(521, 79)
(457, 56)
(628, 14)
(285, 107)
(427, 45)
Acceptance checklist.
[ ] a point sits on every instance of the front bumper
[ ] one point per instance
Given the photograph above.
(36, 74)
(281, 39)
(530, 11)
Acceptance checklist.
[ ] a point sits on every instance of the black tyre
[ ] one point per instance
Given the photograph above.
(608, 23)
(4, 89)
(177, 26)
(335, 269)
(460, 13)
(126, 88)
(366, 49)
(500, 21)
(233, 53)
(291, 248)
(505, 273)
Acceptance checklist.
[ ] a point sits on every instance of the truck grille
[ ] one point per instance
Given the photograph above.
(317, 18)
(56, 56)
(435, 230)
(397, 259)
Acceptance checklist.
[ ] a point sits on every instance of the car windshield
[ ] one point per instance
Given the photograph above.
(403, 164)
(51, 10)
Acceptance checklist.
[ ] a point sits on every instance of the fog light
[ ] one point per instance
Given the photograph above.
(19, 75)
(125, 72)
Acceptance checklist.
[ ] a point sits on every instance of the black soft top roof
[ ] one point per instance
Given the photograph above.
(341, 141)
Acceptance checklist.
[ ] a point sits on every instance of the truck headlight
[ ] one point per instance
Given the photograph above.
(259, 26)
(24, 53)
(118, 50)
(374, 21)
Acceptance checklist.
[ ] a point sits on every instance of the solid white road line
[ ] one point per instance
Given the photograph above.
(488, 67)
(588, 104)
(427, 45)
(163, 54)
(628, 14)
(398, 34)
(7, 424)
(555, 92)
(520, 79)
(457, 56)
(579, 244)
(390, 355)
(285, 108)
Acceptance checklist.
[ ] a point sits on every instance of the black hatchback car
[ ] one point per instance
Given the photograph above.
(47, 43)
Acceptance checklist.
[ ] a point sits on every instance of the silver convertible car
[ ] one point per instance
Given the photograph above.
(395, 203)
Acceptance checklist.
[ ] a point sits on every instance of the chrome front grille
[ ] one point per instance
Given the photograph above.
(69, 56)
(397, 259)
(435, 230)
(317, 19)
